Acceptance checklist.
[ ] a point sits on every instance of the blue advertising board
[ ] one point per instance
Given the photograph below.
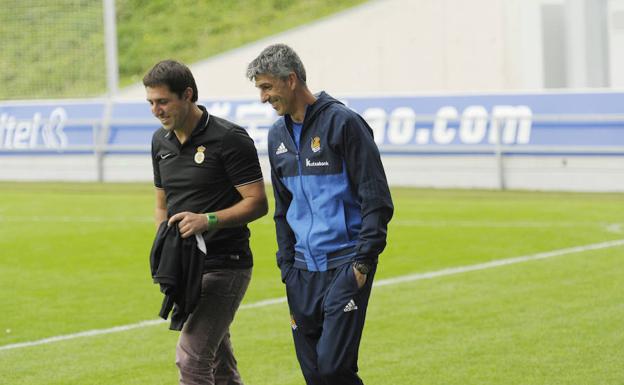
(402, 124)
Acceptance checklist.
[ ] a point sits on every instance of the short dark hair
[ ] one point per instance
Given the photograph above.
(173, 74)
(277, 60)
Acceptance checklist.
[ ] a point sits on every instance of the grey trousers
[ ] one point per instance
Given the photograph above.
(204, 353)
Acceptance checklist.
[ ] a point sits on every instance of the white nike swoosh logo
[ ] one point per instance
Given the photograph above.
(165, 156)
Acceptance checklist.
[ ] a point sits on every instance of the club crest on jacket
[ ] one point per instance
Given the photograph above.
(316, 144)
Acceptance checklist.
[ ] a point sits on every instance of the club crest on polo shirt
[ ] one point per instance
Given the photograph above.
(199, 155)
(315, 144)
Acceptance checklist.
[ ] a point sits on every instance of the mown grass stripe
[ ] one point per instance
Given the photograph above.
(380, 283)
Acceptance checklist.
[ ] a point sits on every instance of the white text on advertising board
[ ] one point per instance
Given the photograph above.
(31, 133)
(473, 126)
(504, 124)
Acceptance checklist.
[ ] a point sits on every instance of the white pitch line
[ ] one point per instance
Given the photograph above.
(382, 282)
(498, 262)
(88, 333)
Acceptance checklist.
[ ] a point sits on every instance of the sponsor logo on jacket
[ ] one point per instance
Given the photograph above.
(281, 149)
(316, 164)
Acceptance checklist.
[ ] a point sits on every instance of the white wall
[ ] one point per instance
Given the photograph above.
(615, 20)
(548, 173)
(399, 46)
(551, 173)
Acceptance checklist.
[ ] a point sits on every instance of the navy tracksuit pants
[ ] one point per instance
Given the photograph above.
(328, 312)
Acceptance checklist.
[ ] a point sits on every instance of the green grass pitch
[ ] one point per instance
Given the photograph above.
(74, 257)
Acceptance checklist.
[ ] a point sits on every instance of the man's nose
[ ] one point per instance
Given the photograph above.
(264, 97)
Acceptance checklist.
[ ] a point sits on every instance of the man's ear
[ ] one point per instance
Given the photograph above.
(292, 80)
(188, 94)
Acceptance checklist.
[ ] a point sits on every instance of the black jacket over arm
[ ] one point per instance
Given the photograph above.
(177, 265)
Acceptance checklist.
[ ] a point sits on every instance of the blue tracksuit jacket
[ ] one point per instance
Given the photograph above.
(332, 201)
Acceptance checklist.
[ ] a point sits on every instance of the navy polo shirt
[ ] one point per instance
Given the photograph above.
(201, 176)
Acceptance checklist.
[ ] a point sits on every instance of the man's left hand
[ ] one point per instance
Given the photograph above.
(189, 223)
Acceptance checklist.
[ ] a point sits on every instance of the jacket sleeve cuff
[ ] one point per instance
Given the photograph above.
(367, 259)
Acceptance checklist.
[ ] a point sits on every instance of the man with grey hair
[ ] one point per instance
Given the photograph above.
(332, 208)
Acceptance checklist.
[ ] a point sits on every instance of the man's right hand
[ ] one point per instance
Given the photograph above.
(189, 223)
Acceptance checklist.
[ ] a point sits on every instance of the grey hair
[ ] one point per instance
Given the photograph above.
(278, 60)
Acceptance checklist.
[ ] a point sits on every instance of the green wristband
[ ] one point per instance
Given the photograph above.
(212, 220)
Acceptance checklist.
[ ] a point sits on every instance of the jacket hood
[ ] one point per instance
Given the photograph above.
(323, 100)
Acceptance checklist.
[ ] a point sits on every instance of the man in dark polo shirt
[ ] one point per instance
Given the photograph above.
(208, 181)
